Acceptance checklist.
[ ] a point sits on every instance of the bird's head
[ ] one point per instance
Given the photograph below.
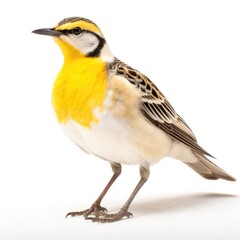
(79, 37)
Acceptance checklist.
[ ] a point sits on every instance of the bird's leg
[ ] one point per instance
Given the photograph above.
(105, 217)
(96, 208)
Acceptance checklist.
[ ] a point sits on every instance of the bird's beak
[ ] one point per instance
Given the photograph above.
(48, 32)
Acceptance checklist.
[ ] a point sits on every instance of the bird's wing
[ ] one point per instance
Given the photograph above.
(156, 108)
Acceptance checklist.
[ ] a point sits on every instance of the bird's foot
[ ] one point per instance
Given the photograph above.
(104, 217)
(93, 210)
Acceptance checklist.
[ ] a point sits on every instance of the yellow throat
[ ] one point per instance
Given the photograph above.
(80, 87)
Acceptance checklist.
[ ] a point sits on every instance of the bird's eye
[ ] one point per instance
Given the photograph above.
(76, 30)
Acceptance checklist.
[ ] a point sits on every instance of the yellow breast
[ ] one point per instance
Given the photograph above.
(79, 89)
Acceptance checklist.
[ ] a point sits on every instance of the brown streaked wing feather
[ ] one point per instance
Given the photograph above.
(157, 109)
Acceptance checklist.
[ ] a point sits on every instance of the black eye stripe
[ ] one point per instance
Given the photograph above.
(75, 31)
(66, 32)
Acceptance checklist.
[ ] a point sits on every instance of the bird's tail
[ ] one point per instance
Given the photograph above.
(208, 169)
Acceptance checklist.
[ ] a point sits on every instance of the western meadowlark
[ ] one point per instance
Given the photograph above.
(116, 113)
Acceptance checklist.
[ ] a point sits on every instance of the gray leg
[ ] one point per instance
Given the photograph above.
(105, 217)
(96, 208)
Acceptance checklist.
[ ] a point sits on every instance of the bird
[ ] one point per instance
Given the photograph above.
(116, 113)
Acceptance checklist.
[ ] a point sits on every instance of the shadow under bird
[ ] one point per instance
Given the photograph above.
(116, 113)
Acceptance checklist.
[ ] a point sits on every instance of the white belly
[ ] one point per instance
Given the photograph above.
(107, 139)
(117, 141)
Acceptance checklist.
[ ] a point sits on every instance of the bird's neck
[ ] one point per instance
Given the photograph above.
(79, 90)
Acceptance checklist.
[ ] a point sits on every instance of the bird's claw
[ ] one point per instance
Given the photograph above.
(93, 210)
(103, 217)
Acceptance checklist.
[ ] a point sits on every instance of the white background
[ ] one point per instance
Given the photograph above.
(191, 50)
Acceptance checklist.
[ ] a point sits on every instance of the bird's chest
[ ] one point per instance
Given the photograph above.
(79, 90)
